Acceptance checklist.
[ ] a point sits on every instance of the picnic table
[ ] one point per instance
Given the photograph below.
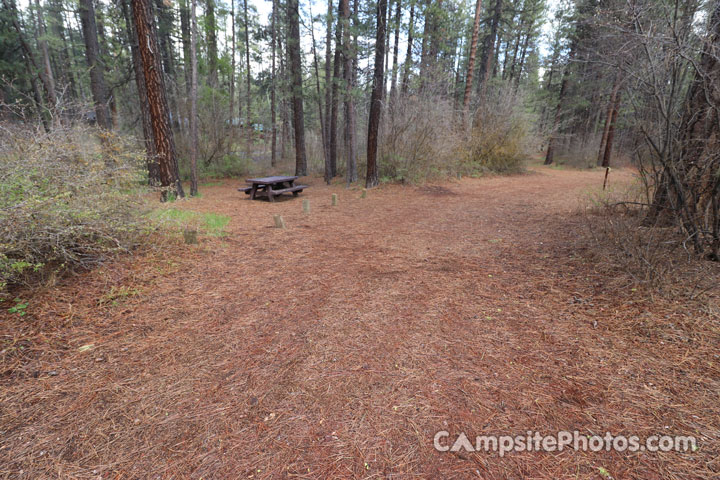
(269, 187)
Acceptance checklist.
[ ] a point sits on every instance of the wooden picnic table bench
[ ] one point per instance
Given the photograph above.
(269, 187)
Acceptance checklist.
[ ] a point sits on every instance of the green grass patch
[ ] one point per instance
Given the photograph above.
(212, 224)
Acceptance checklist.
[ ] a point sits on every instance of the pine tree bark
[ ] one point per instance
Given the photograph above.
(488, 55)
(611, 132)
(193, 99)
(151, 160)
(323, 133)
(232, 62)
(376, 98)
(405, 84)
(212, 48)
(335, 102)
(185, 38)
(471, 57)
(396, 46)
(92, 54)
(550, 154)
(273, 87)
(248, 99)
(348, 77)
(42, 42)
(32, 64)
(293, 46)
(57, 27)
(155, 87)
(328, 78)
(608, 118)
(690, 184)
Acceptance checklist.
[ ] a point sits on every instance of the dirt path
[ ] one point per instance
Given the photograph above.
(338, 347)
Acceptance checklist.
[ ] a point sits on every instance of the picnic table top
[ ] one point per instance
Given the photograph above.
(270, 180)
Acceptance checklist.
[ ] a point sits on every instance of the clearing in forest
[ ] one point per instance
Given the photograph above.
(339, 346)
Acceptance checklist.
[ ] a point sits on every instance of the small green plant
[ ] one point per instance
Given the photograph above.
(210, 223)
(117, 295)
(19, 307)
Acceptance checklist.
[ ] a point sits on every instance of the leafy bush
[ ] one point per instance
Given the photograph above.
(67, 200)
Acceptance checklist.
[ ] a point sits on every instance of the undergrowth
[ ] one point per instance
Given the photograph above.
(67, 200)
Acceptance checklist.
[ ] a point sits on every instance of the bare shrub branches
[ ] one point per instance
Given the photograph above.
(66, 200)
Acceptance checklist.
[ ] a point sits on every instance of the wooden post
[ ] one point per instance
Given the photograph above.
(334, 199)
(306, 205)
(364, 193)
(279, 222)
(605, 182)
(190, 236)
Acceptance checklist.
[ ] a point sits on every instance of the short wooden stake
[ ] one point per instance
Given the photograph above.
(190, 236)
(364, 193)
(306, 205)
(605, 182)
(279, 222)
(334, 200)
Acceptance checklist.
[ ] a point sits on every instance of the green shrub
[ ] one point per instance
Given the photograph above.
(229, 165)
(500, 138)
(176, 219)
(67, 200)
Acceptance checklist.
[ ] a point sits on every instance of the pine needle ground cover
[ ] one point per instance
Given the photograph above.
(338, 346)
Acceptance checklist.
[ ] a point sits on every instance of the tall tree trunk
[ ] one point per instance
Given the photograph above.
(425, 51)
(335, 101)
(388, 23)
(471, 58)
(396, 46)
(611, 132)
(328, 78)
(293, 46)
(103, 53)
(42, 42)
(232, 63)
(348, 77)
(518, 75)
(212, 48)
(273, 87)
(690, 184)
(151, 160)
(408, 55)
(608, 117)
(371, 177)
(284, 122)
(32, 64)
(323, 133)
(92, 54)
(193, 98)
(488, 55)
(165, 26)
(155, 88)
(550, 154)
(248, 99)
(185, 36)
(57, 27)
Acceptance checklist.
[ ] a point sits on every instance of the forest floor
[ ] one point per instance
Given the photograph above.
(339, 346)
